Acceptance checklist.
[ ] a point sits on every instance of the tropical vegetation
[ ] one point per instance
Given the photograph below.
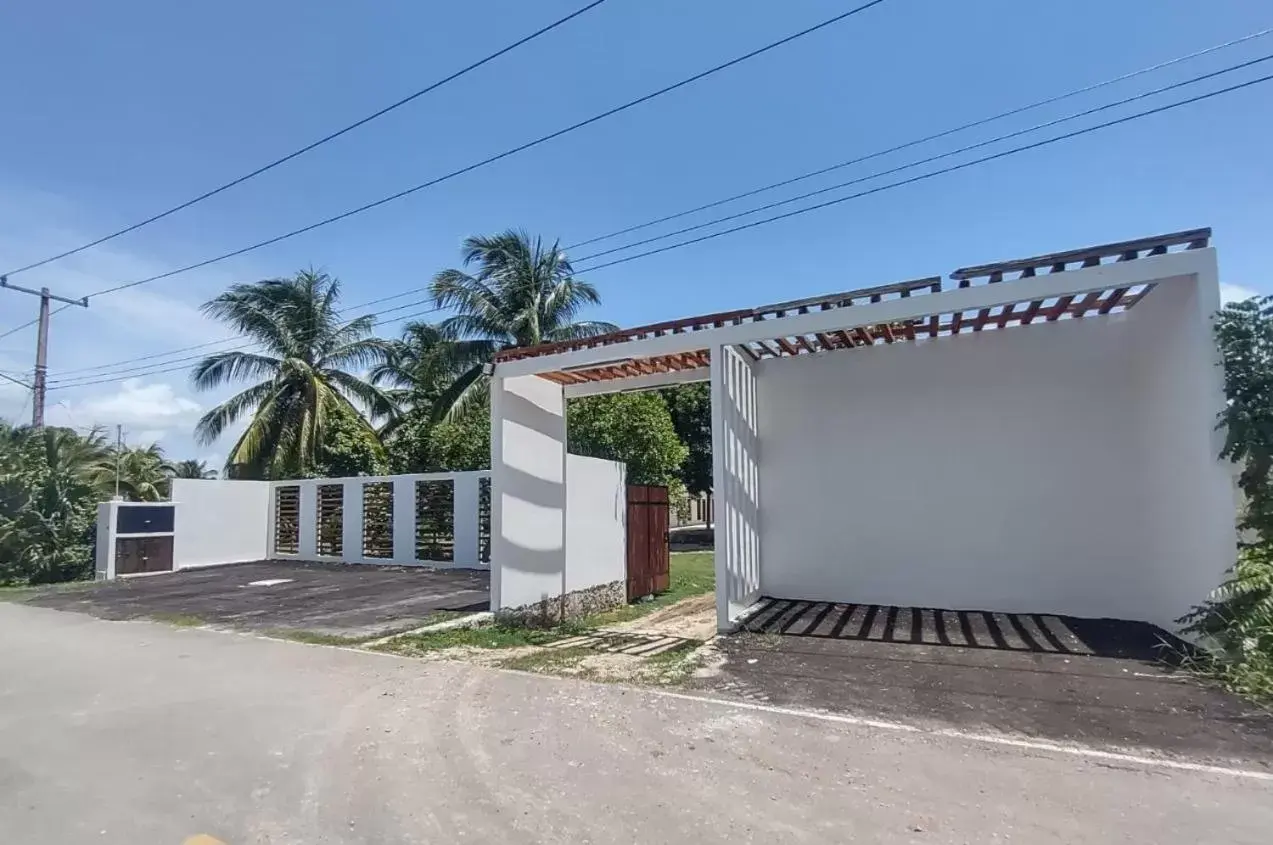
(1236, 622)
(50, 483)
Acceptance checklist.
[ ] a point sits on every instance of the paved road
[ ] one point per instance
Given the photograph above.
(134, 732)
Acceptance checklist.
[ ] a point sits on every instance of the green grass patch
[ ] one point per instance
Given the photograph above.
(179, 620)
(692, 574)
(24, 592)
(549, 660)
(316, 637)
(486, 636)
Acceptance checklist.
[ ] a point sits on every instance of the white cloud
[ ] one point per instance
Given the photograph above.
(1236, 293)
(147, 437)
(157, 406)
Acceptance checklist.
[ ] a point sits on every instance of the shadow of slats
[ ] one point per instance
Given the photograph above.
(1029, 632)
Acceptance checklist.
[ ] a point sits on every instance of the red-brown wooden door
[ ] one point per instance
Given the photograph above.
(648, 561)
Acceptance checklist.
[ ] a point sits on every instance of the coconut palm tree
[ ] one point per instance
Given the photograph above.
(193, 469)
(50, 483)
(521, 292)
(304, 373)
(142, 473)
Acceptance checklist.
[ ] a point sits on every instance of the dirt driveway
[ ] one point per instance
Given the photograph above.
(348, 600)
(1096, 682)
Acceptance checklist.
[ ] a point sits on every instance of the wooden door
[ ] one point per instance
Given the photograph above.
(648, 558)
(134, 555)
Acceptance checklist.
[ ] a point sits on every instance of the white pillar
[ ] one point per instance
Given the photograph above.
(464, 501)
(351, 521)
(528, 491)
(105, 564)
(307, 519)
(404, 519)
(735, 482)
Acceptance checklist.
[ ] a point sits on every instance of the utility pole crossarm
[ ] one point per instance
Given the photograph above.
(41, 344)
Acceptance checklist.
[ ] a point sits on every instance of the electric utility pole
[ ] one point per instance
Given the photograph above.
(38, 385)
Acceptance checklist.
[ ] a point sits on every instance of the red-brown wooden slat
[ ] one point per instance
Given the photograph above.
(1086, 304)
(980, 322)
(803, 343)
(863, 334)
(887, 331)
(786, 346)
(1055, 312)
(845, 340)
(826, 341)
(1005, 315)
(1032, 311)
(1112, 301)
(956, 322)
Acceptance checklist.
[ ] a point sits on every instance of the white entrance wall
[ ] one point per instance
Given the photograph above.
(557, 520)
(1068, 467)
(736, 482)
(528, 491)
(219, 522)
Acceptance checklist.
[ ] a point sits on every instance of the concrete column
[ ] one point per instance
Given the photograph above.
(464, 498)
(308, 520)
(404, 519)
(528, 491)
(105, 563)
(351, 521)
(736, 483)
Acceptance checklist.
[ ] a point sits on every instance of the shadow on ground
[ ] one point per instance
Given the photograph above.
(350, 600)
(1054, 678)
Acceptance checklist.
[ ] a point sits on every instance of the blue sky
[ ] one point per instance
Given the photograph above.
(114, 111)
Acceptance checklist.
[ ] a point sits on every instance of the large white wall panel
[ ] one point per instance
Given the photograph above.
(1189, 495)
(596, 517)
(995, 471)
(220, 521)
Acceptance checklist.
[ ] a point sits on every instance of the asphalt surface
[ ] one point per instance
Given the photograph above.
(138, 732)
(352, 600)
(1053, 678)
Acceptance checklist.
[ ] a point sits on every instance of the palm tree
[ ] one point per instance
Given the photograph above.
(193, 469)
(50, 483)
(304, 368)
(142, 473)
(522, 293)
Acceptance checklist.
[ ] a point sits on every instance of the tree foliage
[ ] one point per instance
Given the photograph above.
(1238, 617)
(520, 292)
(691, 408)
(305, 374)
(635, 428)
(50, 483)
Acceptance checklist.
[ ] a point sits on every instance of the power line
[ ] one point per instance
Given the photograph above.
(879, 189)
(930, 159)
(161, 367)
(112, 365)
(18, 382)
(326, 138)
(944, 133)
(921, 177)
(492, 159)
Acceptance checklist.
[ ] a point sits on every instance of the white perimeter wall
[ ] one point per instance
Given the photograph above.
(596, 518)
(1061, 468)
(220, 521)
